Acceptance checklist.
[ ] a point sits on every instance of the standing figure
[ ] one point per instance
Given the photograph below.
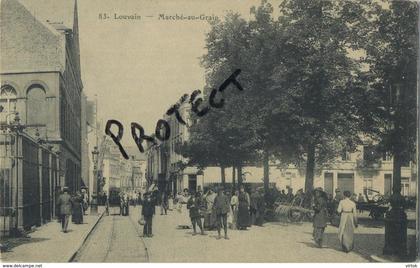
(243, 209)
(348, 222)
(210, 215)
(147, 211)
(221, 207)
(77, 208)
(164, 203)
(260, 208)
(321, 215)
(289, 195)
(194, 204)
(65, 204)
(234, 202)
(253, 207)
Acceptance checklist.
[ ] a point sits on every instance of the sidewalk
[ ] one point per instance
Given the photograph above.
(48, 244)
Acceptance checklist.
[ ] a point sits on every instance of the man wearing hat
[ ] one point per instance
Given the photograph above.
(321, 217)
(222, 207)
(147, 211)
(65, 204)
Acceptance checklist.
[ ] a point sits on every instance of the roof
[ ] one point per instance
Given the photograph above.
(26, 43)
(53, 11)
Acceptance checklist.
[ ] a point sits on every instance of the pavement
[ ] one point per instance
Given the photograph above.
(48, 244)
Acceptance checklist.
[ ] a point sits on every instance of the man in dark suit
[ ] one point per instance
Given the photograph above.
(321, 216)
(65, 204)
(221, 206)
(148, 210)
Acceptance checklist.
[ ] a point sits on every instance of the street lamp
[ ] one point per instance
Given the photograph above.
(94, 202)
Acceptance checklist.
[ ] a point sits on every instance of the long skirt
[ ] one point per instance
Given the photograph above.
(243, 216)
(77, 213)
(346, 231)
(234, 217)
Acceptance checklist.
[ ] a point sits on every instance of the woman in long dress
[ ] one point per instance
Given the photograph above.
(77, 209)
(234, 202)
(348, 222)
(243, 209)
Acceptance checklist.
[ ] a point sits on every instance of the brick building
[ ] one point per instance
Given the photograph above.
(40, 76)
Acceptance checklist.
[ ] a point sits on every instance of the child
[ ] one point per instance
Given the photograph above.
(147, 211)
(194, 204)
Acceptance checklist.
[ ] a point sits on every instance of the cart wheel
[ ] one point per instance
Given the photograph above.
(377, 215)
(295, 215)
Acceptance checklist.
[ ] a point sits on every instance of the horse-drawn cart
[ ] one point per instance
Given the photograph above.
(377, 205)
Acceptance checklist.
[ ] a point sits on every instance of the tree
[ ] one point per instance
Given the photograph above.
(317, 84)
(391, 50)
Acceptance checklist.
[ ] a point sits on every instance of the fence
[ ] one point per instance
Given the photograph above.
(28, 179)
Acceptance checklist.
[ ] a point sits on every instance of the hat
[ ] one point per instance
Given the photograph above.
(319, 189)
(65, 189)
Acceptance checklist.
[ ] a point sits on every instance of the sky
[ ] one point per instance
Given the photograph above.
(139, 68)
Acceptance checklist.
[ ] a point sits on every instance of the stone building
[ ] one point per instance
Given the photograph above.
(40, 76)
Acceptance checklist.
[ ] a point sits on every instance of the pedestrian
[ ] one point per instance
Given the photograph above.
(234, 202)
(77, 208)
(243, 209)
(289, 195)
(253, 207)
(194, 204)
(221, 207)
(260, 208)
(210, 215)
(338, 195)
(105, 196)
(64, 202)
(164, 204)
(170, 201)
(348, 222)
(147, 211)
(360, 199)
(321, 216)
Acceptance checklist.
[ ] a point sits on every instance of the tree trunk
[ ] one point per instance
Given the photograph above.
(233, 177)
(266, 172)
(396, 173)
(239, 176)
(310, 169)
(223, 176)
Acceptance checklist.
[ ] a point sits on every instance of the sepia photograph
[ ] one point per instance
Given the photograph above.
(209, 131)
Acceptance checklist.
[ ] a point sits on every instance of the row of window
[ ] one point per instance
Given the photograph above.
(36, 104)
(369, 154)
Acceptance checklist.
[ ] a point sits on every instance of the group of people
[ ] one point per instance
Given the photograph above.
(348, 218)
(71, 205)
(221, 208)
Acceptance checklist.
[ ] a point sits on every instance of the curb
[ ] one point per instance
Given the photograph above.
(79, 246)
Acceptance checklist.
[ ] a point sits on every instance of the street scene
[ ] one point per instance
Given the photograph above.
(217, 131)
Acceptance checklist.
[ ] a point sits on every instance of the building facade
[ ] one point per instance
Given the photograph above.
(40, 77)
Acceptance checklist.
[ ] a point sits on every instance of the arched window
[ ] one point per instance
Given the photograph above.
(8, 97)
(36, 106)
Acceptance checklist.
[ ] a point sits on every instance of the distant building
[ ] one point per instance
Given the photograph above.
(40, 76)
(126, 174)
(355, 172)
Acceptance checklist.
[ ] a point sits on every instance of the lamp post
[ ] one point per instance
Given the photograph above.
(94, 202)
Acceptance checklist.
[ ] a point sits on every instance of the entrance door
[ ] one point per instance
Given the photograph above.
(388, 184)
(345, 182)
(192, 183)
(328, 183)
